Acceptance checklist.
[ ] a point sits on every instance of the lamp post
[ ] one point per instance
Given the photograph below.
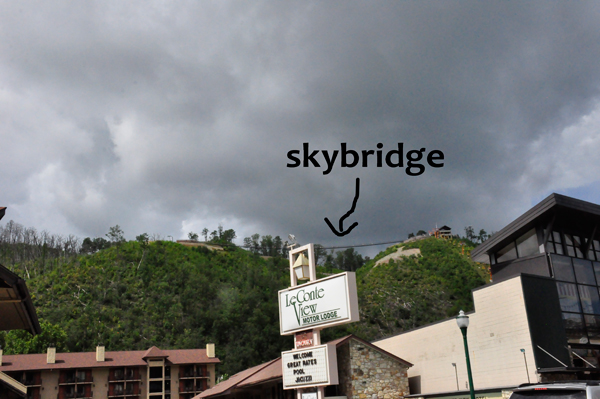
(463, 322)
(526, 368)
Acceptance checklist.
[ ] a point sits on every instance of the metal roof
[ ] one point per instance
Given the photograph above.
(16, 308)
(585, 213)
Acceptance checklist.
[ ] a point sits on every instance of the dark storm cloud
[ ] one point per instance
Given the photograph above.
(167, 118)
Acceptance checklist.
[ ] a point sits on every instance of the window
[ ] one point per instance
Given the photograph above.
(562, 268)
(573, 246)
(594, 250)
(156, 386)
(119, 389)
(527, 244)
(590, 302)
(80, 375)
(592, 325)
(584, 271)
(574, 328)
(156, 372)
(567, 294)
(554, 244)
(507, 253)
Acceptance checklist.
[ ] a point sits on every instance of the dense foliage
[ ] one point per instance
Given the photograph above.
(416, 290)
(176, 297)
(136, 294)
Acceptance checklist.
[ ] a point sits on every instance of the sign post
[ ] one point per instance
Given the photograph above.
(304, 310)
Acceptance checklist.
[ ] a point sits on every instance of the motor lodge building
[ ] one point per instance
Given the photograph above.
(538, 321)
(152, 374)
(364, 370)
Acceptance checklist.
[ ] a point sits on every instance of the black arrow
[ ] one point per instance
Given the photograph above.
(342, 233)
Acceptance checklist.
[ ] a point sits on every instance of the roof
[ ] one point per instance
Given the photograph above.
(233, 381)
(586, 214)
(272, 371)
(112, 359)
(2, 211)
(12, 385)
(154, 352)
(16, 308)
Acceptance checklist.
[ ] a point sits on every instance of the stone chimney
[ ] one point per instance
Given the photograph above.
(51, 357)
(100, 353)
(210, 350)
(0, 356)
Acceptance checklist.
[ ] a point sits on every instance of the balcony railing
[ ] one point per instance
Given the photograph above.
(195, 374)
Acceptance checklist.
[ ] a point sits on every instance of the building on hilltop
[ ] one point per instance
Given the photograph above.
(365, 371)
(539, 320)
(151, 374)
(442, 232)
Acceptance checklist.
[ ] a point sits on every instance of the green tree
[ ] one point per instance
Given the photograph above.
(115, 235)
(193, 236)
(205, 234)
(320, 253)
(483, 235)
(93, 245)
(143, 239)
(17, 342)
(470, 233)
(349, 260)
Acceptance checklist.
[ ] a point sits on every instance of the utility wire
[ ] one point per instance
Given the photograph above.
(364, 245)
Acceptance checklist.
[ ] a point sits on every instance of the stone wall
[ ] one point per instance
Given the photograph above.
(366, 373)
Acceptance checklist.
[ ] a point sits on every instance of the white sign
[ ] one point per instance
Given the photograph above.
(322, 303)
(309, 395)
(309, 367)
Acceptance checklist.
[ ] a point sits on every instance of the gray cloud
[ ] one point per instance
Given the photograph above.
(165, 118)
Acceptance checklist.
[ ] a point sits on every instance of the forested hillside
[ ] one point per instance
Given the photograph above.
(136, 294)
(416, 290)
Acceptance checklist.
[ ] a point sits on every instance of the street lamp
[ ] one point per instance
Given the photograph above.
(302, 268)
(463, 322)
(526, 368)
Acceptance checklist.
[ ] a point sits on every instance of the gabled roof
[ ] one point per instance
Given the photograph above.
(155, 353)
(567, 209)
(272, 371)
(16, 308)
(112, 359)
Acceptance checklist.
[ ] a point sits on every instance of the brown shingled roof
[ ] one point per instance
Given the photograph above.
(271, 372)
(112, 359)
(233, 381)
(154, 352)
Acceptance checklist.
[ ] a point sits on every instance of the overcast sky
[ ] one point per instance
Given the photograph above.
(167, 117)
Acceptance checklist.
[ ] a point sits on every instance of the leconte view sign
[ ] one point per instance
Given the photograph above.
(322, 303)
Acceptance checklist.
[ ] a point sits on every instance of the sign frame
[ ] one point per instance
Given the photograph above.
(331, 366)
(351, 303)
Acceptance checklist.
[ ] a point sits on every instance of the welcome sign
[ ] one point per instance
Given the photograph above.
(322, 303)
(310, 367)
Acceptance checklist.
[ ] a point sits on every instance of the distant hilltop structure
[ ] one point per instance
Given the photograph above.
(437, 232)
(442, 232)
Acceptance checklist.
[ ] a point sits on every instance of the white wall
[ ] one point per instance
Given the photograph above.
(497, 331)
